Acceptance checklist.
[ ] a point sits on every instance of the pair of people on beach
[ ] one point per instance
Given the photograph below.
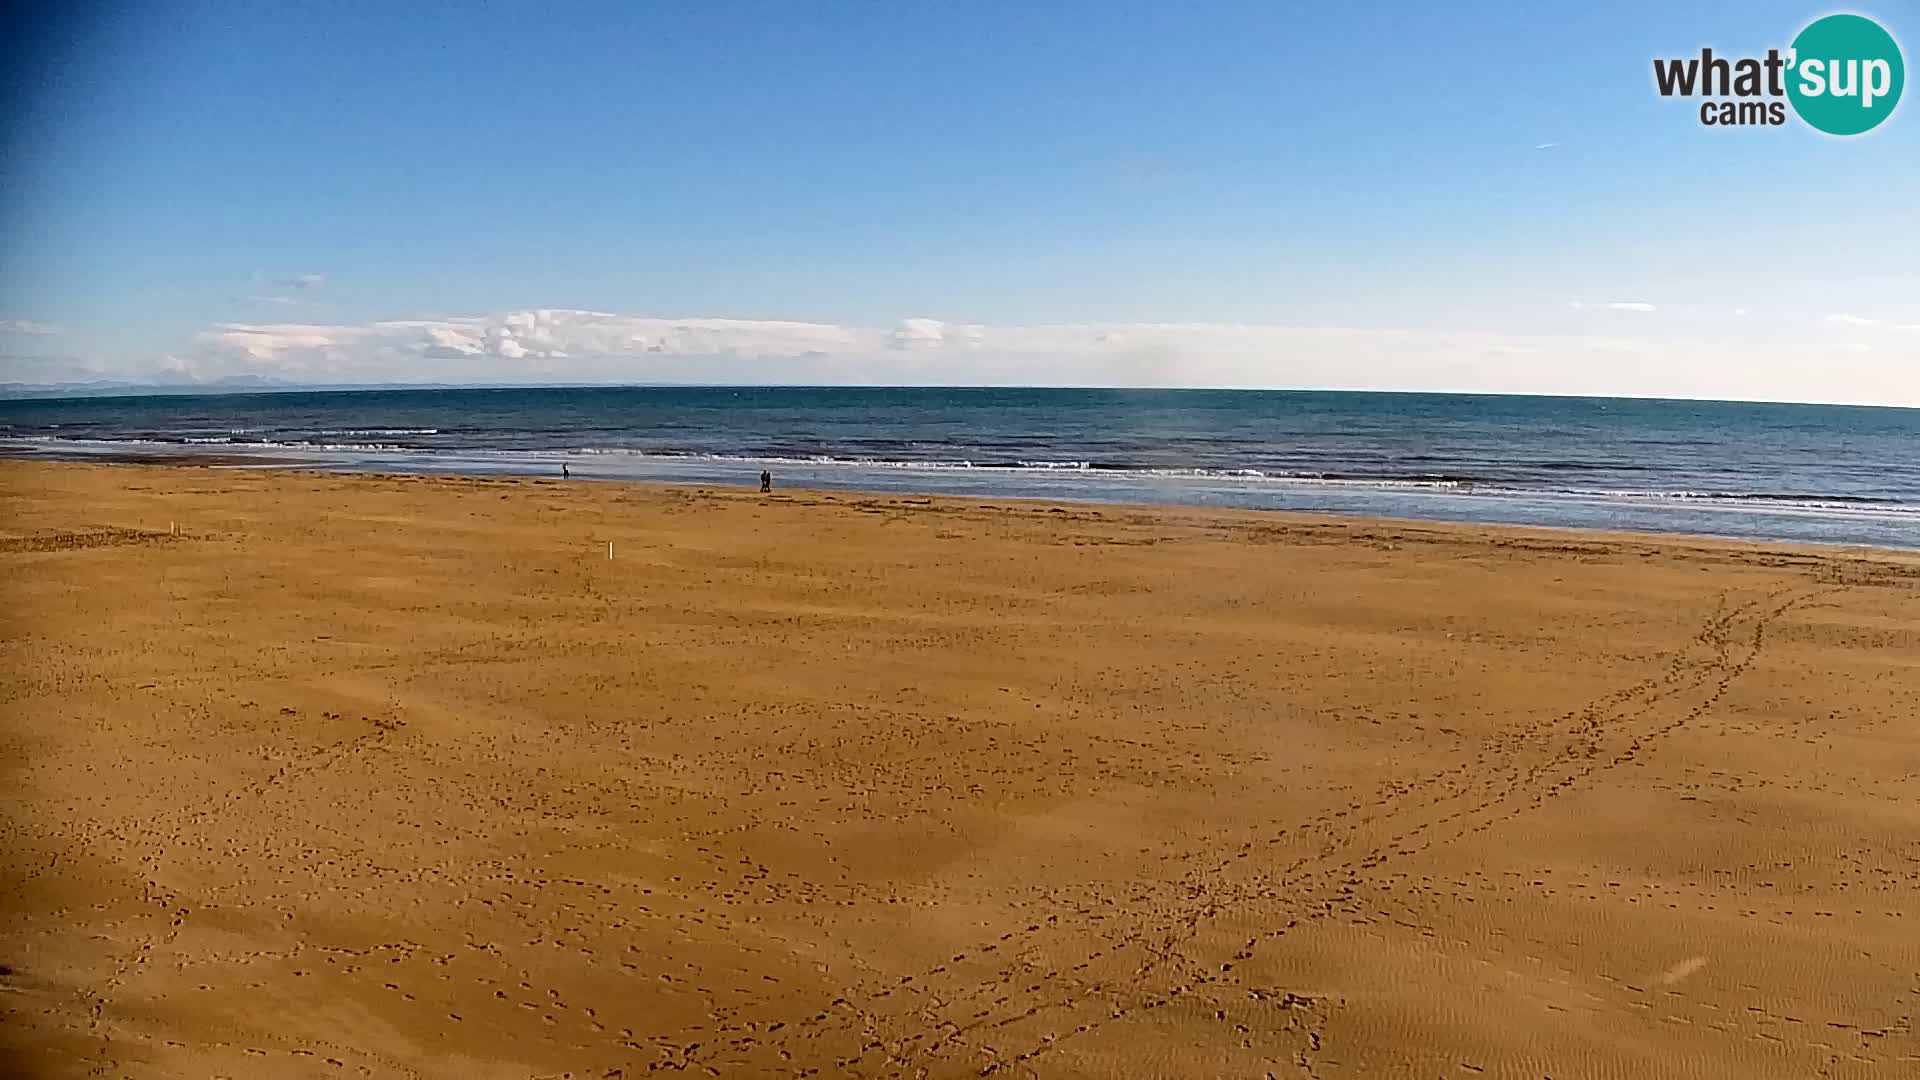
(766, 478)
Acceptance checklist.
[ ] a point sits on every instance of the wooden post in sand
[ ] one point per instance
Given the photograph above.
(609, 551)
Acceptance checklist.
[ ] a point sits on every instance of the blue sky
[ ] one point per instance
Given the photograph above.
(356, 190)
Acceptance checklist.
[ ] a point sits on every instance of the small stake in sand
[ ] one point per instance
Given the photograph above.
(173, 528)
(609, 551)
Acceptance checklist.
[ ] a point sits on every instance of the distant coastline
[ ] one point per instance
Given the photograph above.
(241, 386)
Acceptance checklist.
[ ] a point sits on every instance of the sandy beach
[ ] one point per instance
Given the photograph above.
(319, 775)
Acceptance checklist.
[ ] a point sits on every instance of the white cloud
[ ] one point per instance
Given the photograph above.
(28, 326)
(304, 281)
(1613, 305)
(1545, 145)
(558, 345)
(917, 334)
(1875, 324)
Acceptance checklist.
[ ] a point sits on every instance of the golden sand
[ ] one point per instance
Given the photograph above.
(404, 777)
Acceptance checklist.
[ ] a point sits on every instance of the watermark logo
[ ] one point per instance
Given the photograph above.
(1843, 75)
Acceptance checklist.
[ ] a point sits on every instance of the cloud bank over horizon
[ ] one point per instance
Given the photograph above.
(557, 345)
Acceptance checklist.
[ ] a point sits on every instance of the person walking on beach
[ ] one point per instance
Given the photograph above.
(766, 481)
(564, 474)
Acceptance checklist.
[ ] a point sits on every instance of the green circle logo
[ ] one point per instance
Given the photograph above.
(1845, 74)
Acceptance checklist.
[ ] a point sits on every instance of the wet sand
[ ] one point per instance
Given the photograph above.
(404, 777)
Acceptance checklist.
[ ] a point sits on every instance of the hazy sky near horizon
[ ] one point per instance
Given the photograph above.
(1390, 196)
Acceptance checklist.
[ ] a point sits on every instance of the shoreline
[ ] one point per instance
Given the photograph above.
(1768, 472)
(239, 462)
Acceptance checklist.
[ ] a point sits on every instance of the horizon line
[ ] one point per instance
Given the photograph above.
(79, 391)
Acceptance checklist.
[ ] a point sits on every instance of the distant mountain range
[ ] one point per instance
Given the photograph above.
(233, 384)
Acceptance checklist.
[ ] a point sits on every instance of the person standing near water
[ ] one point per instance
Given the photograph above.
(564, 474)
(766, 481)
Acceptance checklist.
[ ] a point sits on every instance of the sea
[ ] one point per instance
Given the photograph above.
(1804, 473)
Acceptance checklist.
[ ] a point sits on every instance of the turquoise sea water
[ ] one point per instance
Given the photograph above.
(1781, 472)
